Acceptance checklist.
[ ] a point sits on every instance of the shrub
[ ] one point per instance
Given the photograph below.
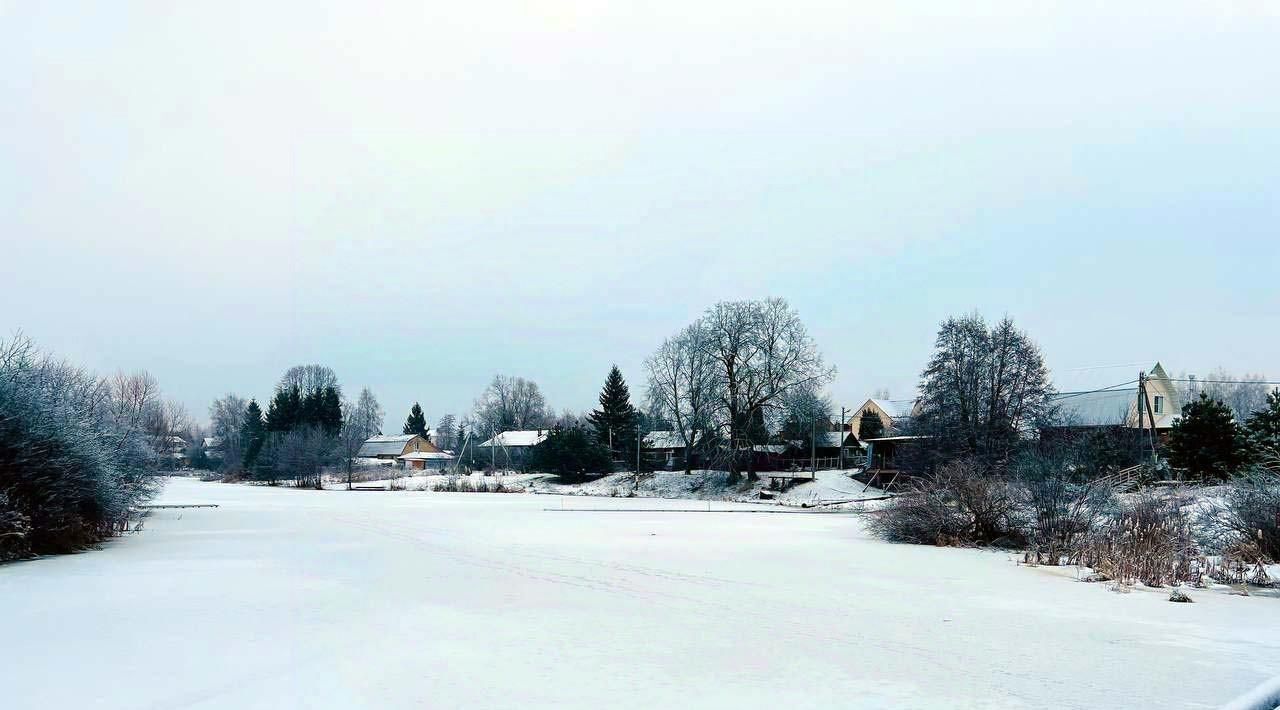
(15, 532)
(474, 484)
(74, 453)
(1059, 511)
(1244, 527)
(960, 505)
(1148, 539)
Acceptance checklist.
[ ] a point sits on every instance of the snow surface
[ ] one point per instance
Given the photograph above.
(284, 598)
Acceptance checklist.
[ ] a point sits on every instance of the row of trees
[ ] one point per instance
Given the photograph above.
(308, 427)
(77, 451)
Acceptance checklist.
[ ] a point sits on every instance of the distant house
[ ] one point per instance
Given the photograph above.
(665, 449)
(391, 448)
(1119, 407)
(212, 448)
(426, 460)
(510, 448)
(829, 444)
(893, 413)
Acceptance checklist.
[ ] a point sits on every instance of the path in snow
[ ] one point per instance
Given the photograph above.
(323, 599)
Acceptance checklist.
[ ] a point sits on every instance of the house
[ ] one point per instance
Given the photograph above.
(426, 460)
(893, 453)
(510, 448)
(829, 444)
(665, 449)
(212, 448)
(391, 448)
(893, 413)
(1120, 407)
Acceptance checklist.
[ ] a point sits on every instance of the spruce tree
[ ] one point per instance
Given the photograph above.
(282, 414)
(330, 411)
(309, 412)
(295, 408)
(416, 422)
(253, 432)
(615, 420)
(1263, 429)
(1206, 440)
(870, 426)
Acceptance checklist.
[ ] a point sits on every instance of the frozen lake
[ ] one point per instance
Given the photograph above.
(285, 598)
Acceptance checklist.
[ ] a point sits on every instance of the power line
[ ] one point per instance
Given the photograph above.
(1225, 382)
(1069, 395)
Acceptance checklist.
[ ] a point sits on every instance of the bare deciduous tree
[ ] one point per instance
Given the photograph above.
(763, 351)
(1242, 395)
(683, 386)
(309, 378)
(511, 403)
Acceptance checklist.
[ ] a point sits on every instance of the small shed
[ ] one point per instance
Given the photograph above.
(426, 460)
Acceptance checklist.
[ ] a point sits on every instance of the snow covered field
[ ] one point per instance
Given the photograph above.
(287, 598)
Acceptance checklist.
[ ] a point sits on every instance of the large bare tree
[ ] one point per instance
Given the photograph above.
(309, 378)
(763, 351)
(511, 403)
(683, 386)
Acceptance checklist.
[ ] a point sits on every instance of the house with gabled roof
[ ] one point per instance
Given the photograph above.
(893, 413)
(1121, 406)
(392, 447)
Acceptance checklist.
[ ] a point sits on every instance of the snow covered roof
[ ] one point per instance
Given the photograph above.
(666, 440)
(511, 439)
(212, 442)
(376, 446)
(896, 408)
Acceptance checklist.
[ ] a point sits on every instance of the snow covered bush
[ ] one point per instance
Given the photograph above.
(1243, 527)
(76, 451)
(15, 532)
(1060, 509)
(962, 504)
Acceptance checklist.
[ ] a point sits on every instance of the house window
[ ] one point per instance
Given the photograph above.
(1159, 405)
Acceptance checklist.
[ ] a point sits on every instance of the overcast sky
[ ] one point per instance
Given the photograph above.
(423, 194)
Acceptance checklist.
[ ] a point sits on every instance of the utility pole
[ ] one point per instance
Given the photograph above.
(842, 438)
(813, 449)
(637, 456)
(1141, 381)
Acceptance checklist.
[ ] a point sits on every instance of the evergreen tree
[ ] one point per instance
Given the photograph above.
(615, 420)
(330, 419)
(870, 425)
(283, 411)
(253, 432)
(571, 453)
(416, 422)
(1263, 429)
(1206, 440)
(309, 413)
